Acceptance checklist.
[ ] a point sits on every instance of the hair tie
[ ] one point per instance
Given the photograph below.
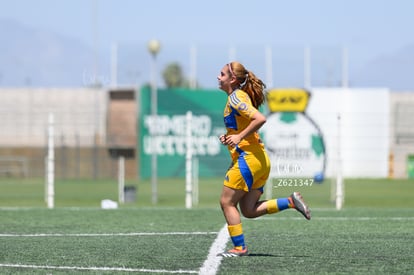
(245, 81)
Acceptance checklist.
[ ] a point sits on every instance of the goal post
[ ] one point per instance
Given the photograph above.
(191, 166)
(195, 183)
(50, 164)
(339, 185)
(188, 162)
(121, 179)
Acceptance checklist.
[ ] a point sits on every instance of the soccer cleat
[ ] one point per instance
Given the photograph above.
(234, 253)
(298, 203)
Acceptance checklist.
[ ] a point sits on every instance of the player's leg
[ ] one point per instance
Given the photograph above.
(251, 207)
(228, 201)
(259, 167)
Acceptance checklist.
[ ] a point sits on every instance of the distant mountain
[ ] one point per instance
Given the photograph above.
(39, 58)
(30, 57)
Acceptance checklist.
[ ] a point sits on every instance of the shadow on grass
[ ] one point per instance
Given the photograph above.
(262, 255)
(273, 255)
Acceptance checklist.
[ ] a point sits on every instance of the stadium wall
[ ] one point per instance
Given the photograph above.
(375, 132)
(80, 129)
(401, 135)
(355, 124)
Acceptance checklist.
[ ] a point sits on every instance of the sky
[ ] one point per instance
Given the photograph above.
(367, 28)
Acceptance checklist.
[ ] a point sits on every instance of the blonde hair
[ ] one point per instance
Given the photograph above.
(248, 82)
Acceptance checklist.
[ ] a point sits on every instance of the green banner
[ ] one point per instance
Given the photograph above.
(165, 134)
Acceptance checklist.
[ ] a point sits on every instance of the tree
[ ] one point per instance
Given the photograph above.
(173, 76)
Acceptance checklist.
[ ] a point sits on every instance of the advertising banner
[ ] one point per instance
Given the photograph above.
(165, 134)
(293, 140)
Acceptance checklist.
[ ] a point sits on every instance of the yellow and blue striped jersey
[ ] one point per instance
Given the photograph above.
(237, 116)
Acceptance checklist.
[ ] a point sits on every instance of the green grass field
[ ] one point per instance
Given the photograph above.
(373, 234)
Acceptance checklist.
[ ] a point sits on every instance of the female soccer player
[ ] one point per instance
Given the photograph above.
(250, 167)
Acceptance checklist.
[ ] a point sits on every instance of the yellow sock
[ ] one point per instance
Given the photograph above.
(237, 236)
(277, 205)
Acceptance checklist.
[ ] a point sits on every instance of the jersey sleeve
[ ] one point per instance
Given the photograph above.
(240, 101)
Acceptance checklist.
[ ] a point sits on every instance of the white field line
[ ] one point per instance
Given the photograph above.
(144, 270)
(108, 234)
(212, 263)
(86, 208)
(341, 218)
(202, 233)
